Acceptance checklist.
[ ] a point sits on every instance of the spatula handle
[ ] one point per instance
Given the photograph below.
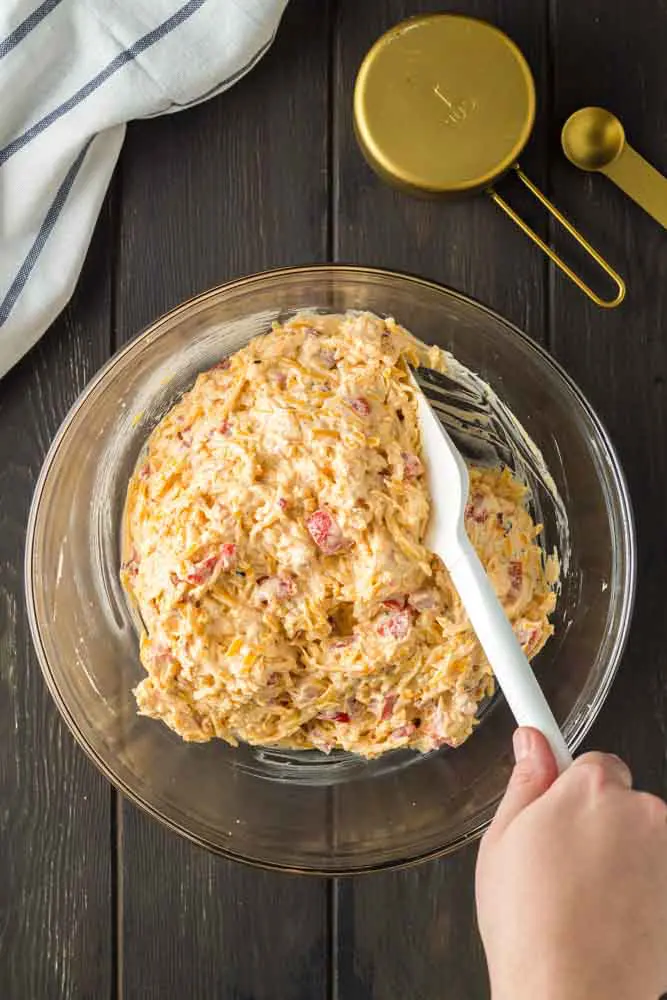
(503, 650)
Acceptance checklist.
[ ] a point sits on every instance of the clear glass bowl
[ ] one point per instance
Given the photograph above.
(303, 811)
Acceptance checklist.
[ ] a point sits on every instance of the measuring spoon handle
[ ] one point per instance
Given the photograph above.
(640, 181)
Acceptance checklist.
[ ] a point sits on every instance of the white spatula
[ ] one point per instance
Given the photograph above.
(447, 478)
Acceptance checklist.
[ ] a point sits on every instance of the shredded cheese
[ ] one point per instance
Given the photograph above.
(274, 547)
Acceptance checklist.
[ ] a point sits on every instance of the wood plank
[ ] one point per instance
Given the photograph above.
(413, 932)
(613, 56)
(56, 861)
(234, 186)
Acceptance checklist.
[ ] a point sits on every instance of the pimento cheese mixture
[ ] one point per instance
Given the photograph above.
(274, 549)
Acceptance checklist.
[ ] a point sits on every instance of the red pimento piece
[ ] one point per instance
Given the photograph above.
(394, 603)
(475, 510)
(360, 405)
(224, 364)
(145, 471)
(325, 532)
(227, 555)
(225, 426)
(516, 575)
(395, 626)
(528, 638)
(412, 466)
(388, 706)
(224, 559)
(202, 570)
(333, 715)
(404, 732)
(282, 503)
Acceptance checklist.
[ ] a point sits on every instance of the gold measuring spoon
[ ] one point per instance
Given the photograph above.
(594, 139)
(444, 105)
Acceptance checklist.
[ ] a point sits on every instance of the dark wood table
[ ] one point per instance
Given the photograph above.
(98, 901)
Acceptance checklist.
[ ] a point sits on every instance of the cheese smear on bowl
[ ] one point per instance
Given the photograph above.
(274, 549)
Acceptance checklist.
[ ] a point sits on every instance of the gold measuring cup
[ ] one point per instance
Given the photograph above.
(444, 105)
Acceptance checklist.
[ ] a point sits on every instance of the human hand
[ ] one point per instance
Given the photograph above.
(572, 882)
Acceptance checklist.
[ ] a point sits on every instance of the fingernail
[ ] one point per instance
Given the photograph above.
(522, 741)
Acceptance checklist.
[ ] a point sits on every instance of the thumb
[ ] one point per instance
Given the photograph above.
(534, 772)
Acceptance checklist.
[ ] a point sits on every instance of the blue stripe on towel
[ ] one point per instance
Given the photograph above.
(50, 219)
(26, 26)
(122, 59)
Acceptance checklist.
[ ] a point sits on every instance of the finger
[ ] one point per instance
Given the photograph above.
(605, 768)
(654, 808)
(534, 772)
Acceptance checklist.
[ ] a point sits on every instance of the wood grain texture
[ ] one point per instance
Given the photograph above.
(412, 933)
(55, 849)
(613, 55)
(198, 926)
(234, 186)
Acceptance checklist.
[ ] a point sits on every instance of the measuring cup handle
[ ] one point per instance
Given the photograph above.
(558, 261)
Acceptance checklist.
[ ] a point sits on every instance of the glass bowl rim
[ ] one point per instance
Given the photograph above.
(617, 476)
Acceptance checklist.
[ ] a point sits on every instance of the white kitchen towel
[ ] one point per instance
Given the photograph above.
(72, 72)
